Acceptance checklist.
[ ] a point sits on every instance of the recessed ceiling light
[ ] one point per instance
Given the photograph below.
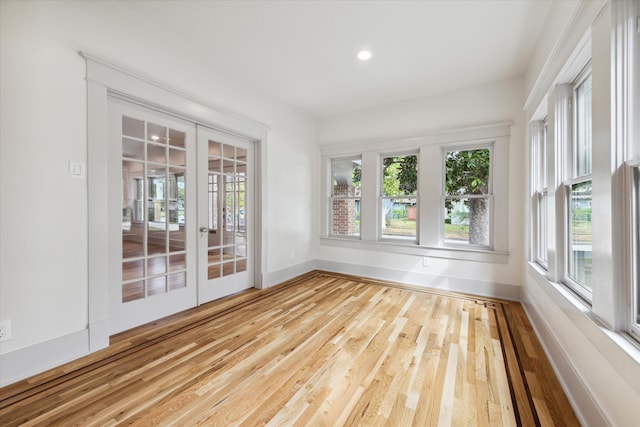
(364, 55)
(155, 137)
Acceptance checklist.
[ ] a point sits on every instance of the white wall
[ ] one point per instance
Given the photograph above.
(496, 102)
(43, 227)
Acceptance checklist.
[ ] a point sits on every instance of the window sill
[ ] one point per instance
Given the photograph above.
(466, 254)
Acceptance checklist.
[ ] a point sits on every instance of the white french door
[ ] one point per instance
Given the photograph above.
(181, 214)
(152, 219)
(225, 211)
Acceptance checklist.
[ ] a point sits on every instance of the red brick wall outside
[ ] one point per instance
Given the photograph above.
(344, 211)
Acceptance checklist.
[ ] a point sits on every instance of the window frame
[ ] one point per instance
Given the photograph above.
(467, 147)
(333, 197)
(430, 176)
(540, 190)
(572, 178)
(381, 197)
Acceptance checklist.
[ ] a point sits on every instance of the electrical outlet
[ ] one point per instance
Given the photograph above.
(5, 330)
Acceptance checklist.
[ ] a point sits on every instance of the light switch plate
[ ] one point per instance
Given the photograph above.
(77, 170)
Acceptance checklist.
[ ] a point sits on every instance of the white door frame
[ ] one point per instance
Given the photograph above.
(104, 79)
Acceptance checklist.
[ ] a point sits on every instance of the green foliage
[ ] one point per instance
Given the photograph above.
(400, 175)
(356, 177)
(467, 172)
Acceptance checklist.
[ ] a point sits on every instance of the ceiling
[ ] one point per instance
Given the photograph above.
(304, 52)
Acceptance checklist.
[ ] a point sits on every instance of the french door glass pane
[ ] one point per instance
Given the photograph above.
(580, 242)
(227, 209)
(153, 209)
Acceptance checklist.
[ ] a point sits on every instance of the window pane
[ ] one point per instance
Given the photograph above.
(156, 133)
(467, 172)
(346, 217)
(177, 138)
(345, 195)
(542, 227)
(580, 234)
(399, 217)
(543, 156)
(398, 212)
(132, 127)
(467, 220)
(346, 177)
(400, 176)
(583, 128)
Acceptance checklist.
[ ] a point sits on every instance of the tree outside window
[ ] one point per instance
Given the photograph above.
(467, 196)
(399, 196)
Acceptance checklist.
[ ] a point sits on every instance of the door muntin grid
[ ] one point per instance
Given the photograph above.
(227, 209)
(153, 209)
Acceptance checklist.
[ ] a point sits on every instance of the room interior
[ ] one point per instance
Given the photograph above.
(282, 80)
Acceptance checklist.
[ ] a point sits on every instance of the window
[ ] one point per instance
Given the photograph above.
(579, 189)
(540, 192)
(467, 197)
(399, 200)
(345, 197)
(404, 202)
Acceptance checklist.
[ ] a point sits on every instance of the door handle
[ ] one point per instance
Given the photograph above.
(204, 229)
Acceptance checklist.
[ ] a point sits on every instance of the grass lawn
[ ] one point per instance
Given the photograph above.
(405, 227)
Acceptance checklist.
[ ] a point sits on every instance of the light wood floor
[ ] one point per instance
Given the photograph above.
(320, 350)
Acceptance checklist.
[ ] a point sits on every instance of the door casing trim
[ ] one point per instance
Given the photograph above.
(105, 79)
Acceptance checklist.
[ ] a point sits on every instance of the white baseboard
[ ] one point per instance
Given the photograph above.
(285, 274)
(25, 362)
(468, 286)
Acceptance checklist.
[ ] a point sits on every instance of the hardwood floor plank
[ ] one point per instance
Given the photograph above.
(322, 349)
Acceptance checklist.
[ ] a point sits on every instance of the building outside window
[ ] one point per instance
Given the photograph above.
(345, 197)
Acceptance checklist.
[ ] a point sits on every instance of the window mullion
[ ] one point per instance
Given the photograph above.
(370, 190)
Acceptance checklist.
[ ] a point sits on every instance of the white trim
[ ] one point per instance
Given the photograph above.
(168, 98)
(461, 253)
(105, 79)
(430, 150)
(448, 136)
(625, 131)
(280, 276)
(548, 300)
(558, 60)
(28, 361)
(581, 399)
(428, 281)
